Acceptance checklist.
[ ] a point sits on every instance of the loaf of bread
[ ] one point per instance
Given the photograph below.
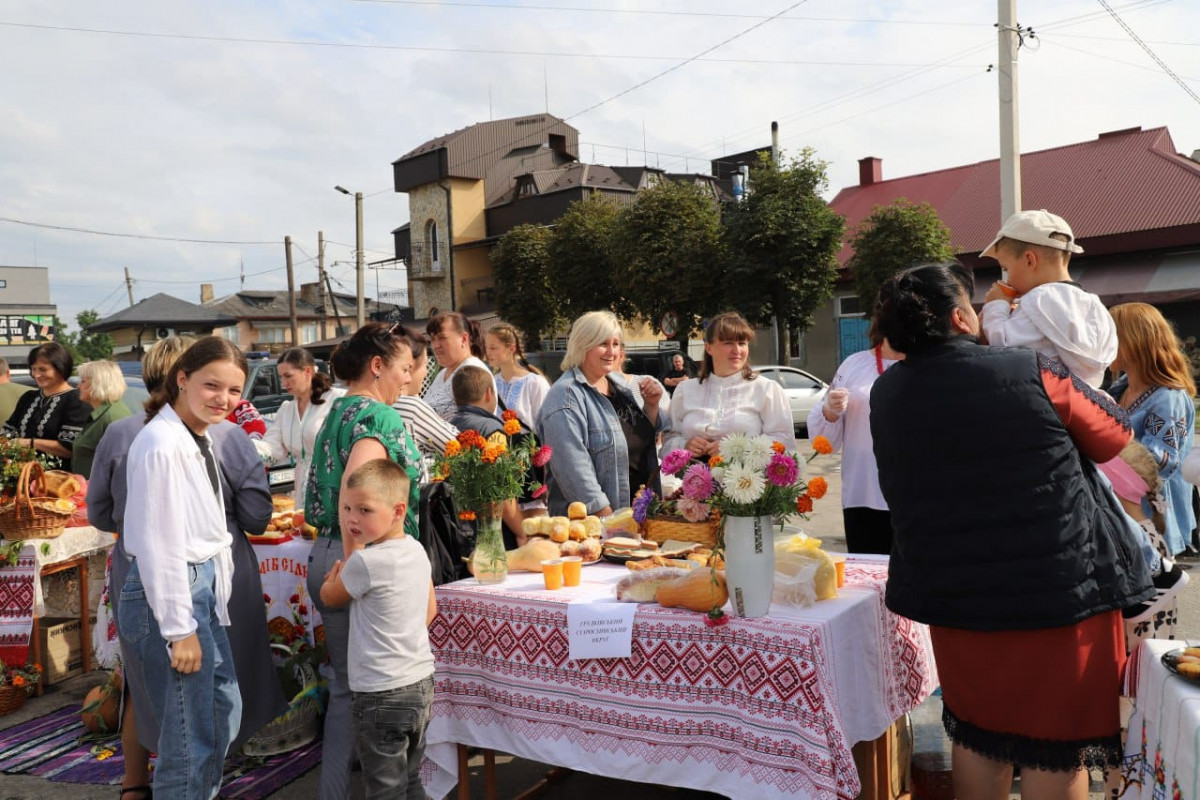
(641, 587)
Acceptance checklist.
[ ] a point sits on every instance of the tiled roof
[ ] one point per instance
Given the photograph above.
(257, 304)
(165, 310)
(1122, 182)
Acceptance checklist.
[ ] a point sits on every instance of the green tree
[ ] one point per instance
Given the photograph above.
(523, 293)
(83, 346)
(581, 258)
(783, 241)
(667, 256)
(894, 238)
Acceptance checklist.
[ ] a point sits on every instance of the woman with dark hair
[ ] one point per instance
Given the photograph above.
(175, 533)
(1009, 546)
(51, 418)
(520, 386)
(456, 342)
(727, 396)
(247, 508)
(292, 434)
(845, 420)
(375, 363)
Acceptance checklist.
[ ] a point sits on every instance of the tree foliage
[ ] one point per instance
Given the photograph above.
(667, 256)
(84, 346)
(524, 296)
(581, 258)
(783, 241)
(894, 238)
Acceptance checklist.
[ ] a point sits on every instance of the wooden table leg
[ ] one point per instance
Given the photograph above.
(489, 774)
(464, 775)
(36, 633)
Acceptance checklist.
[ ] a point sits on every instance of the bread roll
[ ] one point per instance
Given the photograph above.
(589, 549)
(577, 531)
(640, 587)
(576, 510)
(593, 526)
(531, 527)
(569, 548)
(560, 530)
(282, 502)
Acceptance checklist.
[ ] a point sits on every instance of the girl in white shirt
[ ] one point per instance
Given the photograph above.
(727, 396)
(456, 343)
(173, 604)
(520, 385)
(297, 422)
(845, 420)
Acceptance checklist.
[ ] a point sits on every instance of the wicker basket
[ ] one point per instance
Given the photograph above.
(296, 727)
(11, 698)
(661, 529)
(22, 519)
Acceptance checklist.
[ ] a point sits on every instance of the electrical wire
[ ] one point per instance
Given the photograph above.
(1104, 57)
(238, 277)
(1192, 94)
(72, 229)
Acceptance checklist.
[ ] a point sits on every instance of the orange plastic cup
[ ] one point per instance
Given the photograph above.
(552, 572)
(572, 569)
(839, 564)
(1008, 290)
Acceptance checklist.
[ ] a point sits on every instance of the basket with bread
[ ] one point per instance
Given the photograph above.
(41, 507)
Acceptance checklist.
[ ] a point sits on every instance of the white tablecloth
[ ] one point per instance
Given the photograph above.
(755, 708)
(1162, 751)
(291, 617)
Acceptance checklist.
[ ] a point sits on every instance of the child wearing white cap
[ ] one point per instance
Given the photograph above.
(1041, 307)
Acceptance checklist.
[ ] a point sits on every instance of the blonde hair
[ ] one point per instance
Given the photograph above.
(385, 477)
(108, 384)
(161, 356)
(1149, 348)
(588, 331)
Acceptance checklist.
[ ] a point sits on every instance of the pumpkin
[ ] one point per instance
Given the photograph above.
(100, 709)
(529, 556)
(700, 590)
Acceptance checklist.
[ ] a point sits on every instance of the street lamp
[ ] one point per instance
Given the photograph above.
(361, 313)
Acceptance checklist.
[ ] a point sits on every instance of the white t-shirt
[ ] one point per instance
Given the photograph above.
(1059, 320)
(440, 395)
(389, 641)
(717, 407)
(852, 431)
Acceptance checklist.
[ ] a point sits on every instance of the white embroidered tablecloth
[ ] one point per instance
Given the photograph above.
(1162, 750)
(755, 708)
(21, 597)
(291, 617)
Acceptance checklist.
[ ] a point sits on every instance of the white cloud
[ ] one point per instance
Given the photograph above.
(243, 141)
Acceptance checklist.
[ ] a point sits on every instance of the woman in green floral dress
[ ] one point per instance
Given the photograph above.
(361, 426)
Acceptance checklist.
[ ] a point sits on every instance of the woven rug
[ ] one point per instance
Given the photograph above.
(53, 747)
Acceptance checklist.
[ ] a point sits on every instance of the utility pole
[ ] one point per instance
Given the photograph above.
(287, 251)
(358, 243)
(1010, 146)
(782, 337)
(337, 314)
(129, 286)
(323, 311)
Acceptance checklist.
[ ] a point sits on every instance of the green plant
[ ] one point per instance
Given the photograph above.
(25, 676)
(13, 455)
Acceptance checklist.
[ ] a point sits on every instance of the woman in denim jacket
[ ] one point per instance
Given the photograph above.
(603, 443)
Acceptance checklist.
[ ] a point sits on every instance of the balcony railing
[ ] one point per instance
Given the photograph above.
(426, 263)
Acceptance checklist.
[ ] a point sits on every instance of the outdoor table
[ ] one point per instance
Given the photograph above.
(22, 602)
(1162, 749)
(754, 708)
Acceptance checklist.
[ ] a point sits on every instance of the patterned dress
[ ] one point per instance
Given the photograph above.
(59, 416)
(351, 419)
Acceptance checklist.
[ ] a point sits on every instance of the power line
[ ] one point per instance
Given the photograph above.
(1103, 57)
(72, 229)
(1149, 52)
(194, 281)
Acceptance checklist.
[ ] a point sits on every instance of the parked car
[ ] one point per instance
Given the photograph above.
(651, 361)
(804, 391)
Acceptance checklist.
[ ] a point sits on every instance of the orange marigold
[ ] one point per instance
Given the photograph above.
(822, 445)
(715, 461)
(778, 447)
(508, 414)
(491, 453)
(17, 680)
(471, 438)
(512, 426)
(453, 448)
(817, 487)
(804, 504)
(467, 516)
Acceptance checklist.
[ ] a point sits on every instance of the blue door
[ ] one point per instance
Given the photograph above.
(852, 336)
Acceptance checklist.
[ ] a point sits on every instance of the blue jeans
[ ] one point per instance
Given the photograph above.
(198, 714)
(338, 755)
(391, 739)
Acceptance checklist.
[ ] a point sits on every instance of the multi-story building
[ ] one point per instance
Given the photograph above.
(26, 313)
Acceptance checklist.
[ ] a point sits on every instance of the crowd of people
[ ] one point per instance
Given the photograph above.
(1097, 489)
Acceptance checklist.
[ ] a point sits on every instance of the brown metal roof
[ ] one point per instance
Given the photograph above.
(473, 150)
(1123, 183)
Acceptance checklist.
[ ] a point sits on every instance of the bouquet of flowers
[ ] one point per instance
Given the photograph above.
(25, 676)
(483, 471)
(751, 476)
(13, 454)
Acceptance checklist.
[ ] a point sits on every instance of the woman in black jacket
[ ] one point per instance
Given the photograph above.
(1006, 543)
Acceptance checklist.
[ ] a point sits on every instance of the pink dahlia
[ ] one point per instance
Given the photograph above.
(782, 470)
(675, 461)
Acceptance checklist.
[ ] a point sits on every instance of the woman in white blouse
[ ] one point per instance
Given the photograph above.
(298, 421)
(727, 396)
(520, 385)
(456, 343)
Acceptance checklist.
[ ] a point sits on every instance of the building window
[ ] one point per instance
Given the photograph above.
(308, 332)
(849, 306)
(274, 334)
(431, 235)
(230, 333)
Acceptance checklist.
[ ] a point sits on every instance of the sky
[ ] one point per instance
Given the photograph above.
(231, 121)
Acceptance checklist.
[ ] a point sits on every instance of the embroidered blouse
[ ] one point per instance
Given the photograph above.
(59, 416)
(717, 407)
(293, 436)
(523, 395)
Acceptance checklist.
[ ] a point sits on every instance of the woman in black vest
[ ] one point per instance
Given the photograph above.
(1006, 543)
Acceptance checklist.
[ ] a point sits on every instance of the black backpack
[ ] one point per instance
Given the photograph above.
(447, 539)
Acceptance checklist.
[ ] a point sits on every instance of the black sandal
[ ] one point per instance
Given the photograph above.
(145, 792)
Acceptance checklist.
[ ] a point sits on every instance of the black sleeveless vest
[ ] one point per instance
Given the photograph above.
(1000, 522)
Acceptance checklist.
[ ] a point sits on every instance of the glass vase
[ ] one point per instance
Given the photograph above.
(489, 562)
(749, 564)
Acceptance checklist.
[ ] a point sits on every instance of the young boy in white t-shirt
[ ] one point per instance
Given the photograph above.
(1041, 307)
(388, 586)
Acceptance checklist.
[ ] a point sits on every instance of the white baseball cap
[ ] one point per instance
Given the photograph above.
(1035, 227)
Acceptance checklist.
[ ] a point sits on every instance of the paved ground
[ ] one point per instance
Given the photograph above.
(514, 775)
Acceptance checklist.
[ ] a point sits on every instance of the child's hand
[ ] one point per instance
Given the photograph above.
(334, 572)
(1000, 291)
